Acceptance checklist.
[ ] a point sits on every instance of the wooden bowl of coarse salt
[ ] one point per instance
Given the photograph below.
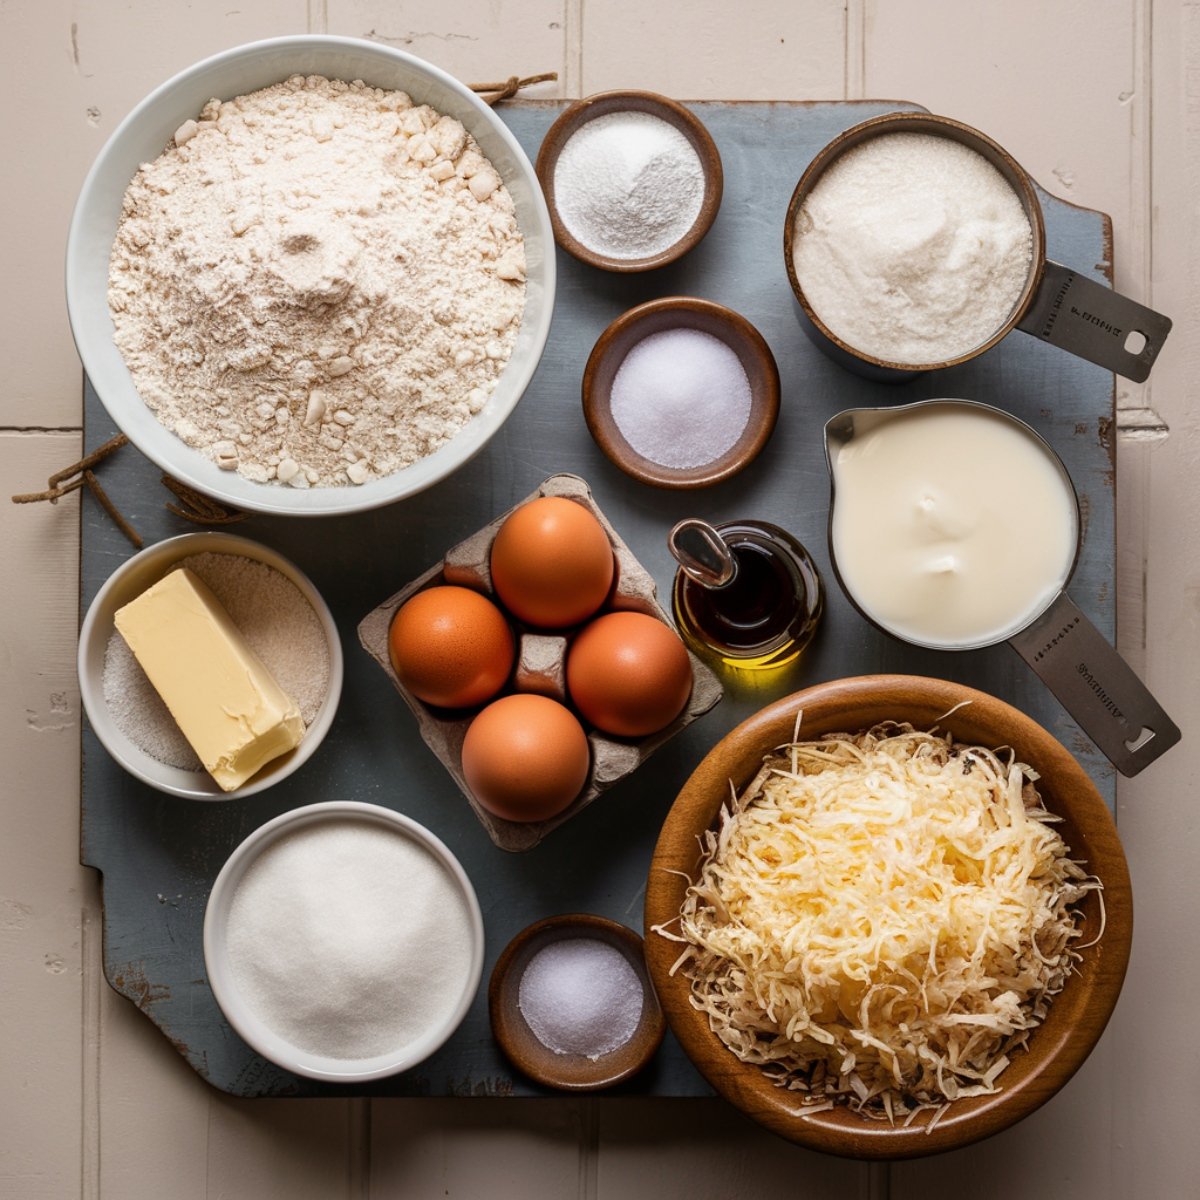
(1088, 963)
(633, 180)
(681, 392)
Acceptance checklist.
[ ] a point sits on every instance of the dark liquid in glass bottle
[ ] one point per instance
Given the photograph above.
(767, 613)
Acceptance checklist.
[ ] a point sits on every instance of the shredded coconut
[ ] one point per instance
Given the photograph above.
(882, 919)
(912, 248)
(317, 283)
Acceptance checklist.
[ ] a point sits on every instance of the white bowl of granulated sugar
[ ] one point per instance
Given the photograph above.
(311, 275)
(343, 941)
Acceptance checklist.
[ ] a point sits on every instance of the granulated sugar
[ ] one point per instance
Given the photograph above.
(628, 185)
(581, 996)
(349, 940)
(278, 623)
(317, 283)
(681, 398)
(912, 248)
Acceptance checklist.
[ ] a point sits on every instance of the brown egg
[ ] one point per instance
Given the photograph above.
(628, 674)
(525, 757)
(552, 564)
(451, 647)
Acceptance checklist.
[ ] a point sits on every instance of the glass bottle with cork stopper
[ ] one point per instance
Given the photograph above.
(746, 592)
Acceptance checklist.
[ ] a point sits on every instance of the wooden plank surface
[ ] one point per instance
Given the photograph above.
(95, 1102)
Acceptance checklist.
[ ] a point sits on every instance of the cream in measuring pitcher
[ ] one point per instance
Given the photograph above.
(951, 525)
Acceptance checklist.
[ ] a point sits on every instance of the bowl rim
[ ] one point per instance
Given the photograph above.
(273, 500)
(599, 104)
(765, 402)
(257, 1034)
(1097, 982)
(938, 126)
(96, 624)
(504, 1012)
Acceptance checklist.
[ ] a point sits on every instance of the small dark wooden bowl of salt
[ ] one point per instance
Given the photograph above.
(681, 392)
(569, 1012)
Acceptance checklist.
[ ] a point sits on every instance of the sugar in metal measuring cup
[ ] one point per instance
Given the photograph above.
(1072, 657)
(1057, 304)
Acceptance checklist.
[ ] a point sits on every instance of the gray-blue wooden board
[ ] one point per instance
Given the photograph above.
(159, 854)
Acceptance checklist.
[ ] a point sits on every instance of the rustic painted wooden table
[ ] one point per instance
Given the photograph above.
(1100, 103)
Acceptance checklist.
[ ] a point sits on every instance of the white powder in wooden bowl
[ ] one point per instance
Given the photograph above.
(277, 621)
(912, 248)
(317, 283)
(349, 940)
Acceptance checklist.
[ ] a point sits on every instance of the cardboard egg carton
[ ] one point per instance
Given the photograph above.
(541, 666)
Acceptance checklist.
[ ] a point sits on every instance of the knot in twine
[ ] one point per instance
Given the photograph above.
(196, 508)
(492, 93)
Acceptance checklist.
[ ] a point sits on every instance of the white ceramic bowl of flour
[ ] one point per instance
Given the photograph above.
(343, 941)
(142, 137)
(126, 583)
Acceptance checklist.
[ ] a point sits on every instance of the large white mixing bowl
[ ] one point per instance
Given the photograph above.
(143, 136)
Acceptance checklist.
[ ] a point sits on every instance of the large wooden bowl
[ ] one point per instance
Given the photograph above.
(1077, 1015)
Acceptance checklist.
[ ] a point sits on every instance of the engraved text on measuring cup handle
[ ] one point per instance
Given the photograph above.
(1096, 686)
(1096, 323)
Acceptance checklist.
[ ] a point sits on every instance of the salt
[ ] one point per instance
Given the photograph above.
(277, 621)
(349, 940)
(581, 996)
(912, 248)
(681, 398)
(628, 185)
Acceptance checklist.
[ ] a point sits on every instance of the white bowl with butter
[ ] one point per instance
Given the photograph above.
(131, 580)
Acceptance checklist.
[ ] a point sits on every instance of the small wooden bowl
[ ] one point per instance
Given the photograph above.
(570, 1072)
(674, 312)
(684, 120)
(1077, 1015)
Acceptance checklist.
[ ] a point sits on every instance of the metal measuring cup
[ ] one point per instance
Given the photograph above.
(1075, 661)
(1057, 304)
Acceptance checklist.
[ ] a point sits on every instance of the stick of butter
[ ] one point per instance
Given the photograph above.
(226, 702)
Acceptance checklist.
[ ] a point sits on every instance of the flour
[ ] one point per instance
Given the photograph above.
(912, 248)
(628, 185)
(317, 283)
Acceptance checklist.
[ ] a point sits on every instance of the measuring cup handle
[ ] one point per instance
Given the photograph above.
(1094, 322)
(1096, 686)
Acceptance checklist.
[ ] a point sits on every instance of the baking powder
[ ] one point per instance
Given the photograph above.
(317, 283)
(628, 185)
(912, 248)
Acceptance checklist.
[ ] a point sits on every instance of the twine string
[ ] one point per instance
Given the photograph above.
(492, 93)
(193, 506)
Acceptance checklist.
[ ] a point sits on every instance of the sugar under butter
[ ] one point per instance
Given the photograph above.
(912, 248)
(349, 940)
